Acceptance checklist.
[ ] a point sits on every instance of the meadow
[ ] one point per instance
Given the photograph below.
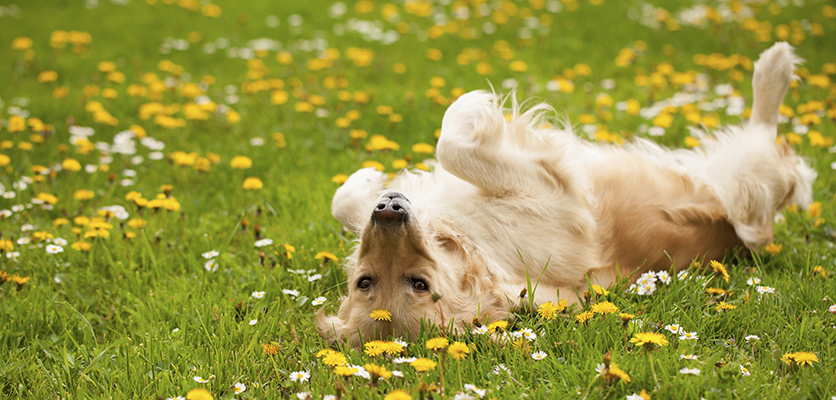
(167, 167)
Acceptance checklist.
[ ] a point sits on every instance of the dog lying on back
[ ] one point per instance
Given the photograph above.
(507, 196)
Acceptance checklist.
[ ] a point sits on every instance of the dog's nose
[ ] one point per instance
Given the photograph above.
(390, 208)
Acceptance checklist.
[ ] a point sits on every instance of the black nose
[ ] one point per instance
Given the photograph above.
(390, 208)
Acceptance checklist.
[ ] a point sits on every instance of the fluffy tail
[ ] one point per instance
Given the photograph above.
(773, 74)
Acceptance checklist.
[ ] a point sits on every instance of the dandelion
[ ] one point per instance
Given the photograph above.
(241, 162)
(318, 301)
(649, 339)
(437, 343)
(458, 350)
(199, 394)
(258, 295)
(548, 310)
(539, 355)
(423, 364)
(719, 269)
(604, 307)
(398, 394)
(271, 349)
(381, 315)
(773, 249)
(801, 358)
(690, 371)
(252, 183)
(324, 255)
(300, 376)
(498, 325)
(240, 388)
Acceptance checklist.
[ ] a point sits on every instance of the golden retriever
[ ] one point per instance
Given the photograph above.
(510, 197)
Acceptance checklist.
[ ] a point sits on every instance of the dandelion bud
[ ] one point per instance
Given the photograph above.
(523, 293)
(111, 177)
(244, 224)
(475, 322)
(436, 297)
(608, 358)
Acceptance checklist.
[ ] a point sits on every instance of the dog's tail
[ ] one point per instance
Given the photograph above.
(773, 74)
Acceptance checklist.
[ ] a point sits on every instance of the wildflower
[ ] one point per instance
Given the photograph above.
(437, 343)
(398, 394)
(689, 371)
(199, 379)
(210, 254)
(548, 310)
(615, 372)
(716, 291)
(253, 322)
(497, 325)
(271, 349)
(773, 249)
(539, 355)
(199, 394)
(252, 184)
(81, 246)
(377, 371)
(210, 266)
(766, 289)
(54, 249)
(752, 281)
(604, 307)
(688, 357)
(723, 306)
(458, 350)
(291, 292)
(800, 358)
(648, 339)
(300, 376)
(688, 336)
(752, 338)
(258, 295)
(832, 309)
(480, 330)
(584, 316)
(720, 269)
(401, 360)
(318, 301)
(83, 194)
(744, 371)
(324, 255)
(381, 315)
(335, 359)
(314, 277)
(664, 277)
(241, 162)
(423, 364)
(674, 328)
(240, 388)
(263, 242)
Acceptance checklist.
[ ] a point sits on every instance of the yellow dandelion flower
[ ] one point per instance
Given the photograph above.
(398, 394)
(458, 350)
(584, 316)
(604, 307)
(497, 325)
(423, 364)
(720, 269)
(82, 246)
(547, 310)
(47, 198)
(723, 306)
(377, 371)
(71, 164)
(252, 183)
(805, 358)
(381, 315)
(648, 339)
(715, 291)
(773, 249)
(626, 317)
(422, 148)
(241, 162)
(199, 394)
(271, 349)
(324, 255)
(339, 178)
(345, 371)
(616, 372)
(60, 221)
(437, 343)
(83, 194)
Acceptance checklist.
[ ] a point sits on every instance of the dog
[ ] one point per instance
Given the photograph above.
(511, 200)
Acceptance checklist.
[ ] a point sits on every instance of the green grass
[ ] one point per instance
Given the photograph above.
(141, 317)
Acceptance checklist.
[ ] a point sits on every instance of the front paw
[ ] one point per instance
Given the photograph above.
(474, 118)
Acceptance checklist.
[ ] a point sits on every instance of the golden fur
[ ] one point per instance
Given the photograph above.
(511, 200)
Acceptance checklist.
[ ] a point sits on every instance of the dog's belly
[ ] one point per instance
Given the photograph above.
(650, 217)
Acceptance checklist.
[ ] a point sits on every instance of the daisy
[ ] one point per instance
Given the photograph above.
(176, 398)
(313, 278)
(688, 336)
(484, 329)
(664, 277)
(744, 371)
(240, 388)
(302, 395)
(766, 289)
(258, 295)
(263, 242)
(53, 249)
(402, 360)
(300, 376)
(831, 309)
(211, 254)
(473, 388)
(290, 292)
(752, 281)
(16, 254)
(318, 301)
(253, 322)
(297, 271)
(674, 328)
(682, 275)
(601, 369)
(688, 357)
(689, 371)
(199, 379)
(501, 368)
(752, 338)
(59, 241)
(23, 240)
(210, 266)
(635, 396)
(539, 355)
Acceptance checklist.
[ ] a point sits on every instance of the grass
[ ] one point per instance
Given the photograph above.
(141, 317)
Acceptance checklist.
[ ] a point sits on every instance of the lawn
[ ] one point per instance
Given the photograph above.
(167, 167)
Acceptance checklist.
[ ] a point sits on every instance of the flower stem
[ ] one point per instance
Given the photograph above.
(652, 368)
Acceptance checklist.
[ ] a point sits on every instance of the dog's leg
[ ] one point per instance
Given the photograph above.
(354, 200)
(474, 147)
(773, 74)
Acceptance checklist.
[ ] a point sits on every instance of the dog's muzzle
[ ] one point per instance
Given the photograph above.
(392, 208)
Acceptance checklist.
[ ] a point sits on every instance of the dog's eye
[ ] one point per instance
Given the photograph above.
(420, 285)
(364, 283)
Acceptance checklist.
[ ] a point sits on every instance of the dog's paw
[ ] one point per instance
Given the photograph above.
(366, 177)
(475, 118)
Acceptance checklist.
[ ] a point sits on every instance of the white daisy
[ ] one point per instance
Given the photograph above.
(258, 295)
(635, 396)
(313, 278)
(402, 360)
(23, 240)
(501, 368)
(302, 395)
(210, 266)
(300, 376)
(290, 292)
(399, 374)
(752, 281)
(211, 254)
(664, 277)
(539, 355)
(674, 328)
(253, 322)
(752, 338)
(689, 371)
(59, 241)
(601, 369)
(688, 336)
(744, 371)
(691, 357)
(240, 388)
(318, 301)
(475, 389)
(832, 309)
(766, 289)
(480, 330)
(263, 242)
(53, 249)
(199, 379)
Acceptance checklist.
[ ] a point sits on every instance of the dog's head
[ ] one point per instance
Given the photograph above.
(413, 269)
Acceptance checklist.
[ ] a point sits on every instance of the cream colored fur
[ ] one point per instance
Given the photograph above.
(510, 198)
